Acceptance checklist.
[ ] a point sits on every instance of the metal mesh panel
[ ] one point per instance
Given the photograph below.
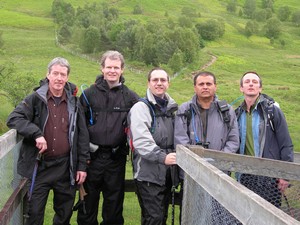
(10, 181)
(199, 207)
(267, 188)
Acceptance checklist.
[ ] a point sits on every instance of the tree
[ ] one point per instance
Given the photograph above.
(268, 4)
(231, 6)
(91, 40)
(249, 8)
(284, 13)
(176, 61)
(251, 28)
(187, 41)
(64, 34)
(296, 18)
(211, 29)
(185, 21)
(260, 15)
(273, 28)
(137, 9)
(63, 12)
(15, 85)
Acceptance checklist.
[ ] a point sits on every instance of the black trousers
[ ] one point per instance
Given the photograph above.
(106, 174)
(52, 175)
(154, 202)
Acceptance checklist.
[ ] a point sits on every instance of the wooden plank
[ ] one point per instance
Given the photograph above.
(297, 157)
(245, 205)
(8, 141)
(249, 164)
(12, 203)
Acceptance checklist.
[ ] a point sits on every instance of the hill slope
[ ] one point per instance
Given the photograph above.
(29, 43)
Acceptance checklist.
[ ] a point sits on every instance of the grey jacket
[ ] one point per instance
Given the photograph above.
(150, 150)
(220, 135)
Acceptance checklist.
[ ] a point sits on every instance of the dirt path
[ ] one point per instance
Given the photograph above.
(212, 61)
(208, 64)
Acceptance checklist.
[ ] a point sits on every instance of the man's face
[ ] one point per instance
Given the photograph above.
(251, 85)
(58, 77)
(205, 87)
(112, 70)
(158, 83)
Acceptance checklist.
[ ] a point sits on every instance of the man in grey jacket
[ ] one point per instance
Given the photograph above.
(201, 121)
(153, 154)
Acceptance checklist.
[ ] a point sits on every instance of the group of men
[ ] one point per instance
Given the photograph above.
(82, 141)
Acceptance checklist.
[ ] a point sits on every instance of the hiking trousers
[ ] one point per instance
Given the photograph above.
(106, 175)
(52, 175)
(154, 202)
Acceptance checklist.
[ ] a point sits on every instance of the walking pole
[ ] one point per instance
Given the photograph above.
(81, 202)
(36, 165)
(173, 174)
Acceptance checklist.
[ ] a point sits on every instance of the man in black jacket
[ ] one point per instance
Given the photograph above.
(52, 123)
(106, 104)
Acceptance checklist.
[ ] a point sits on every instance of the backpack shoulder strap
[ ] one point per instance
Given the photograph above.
(152, 113)
(187, 114)
(224, 109)
(127, 97)
(270, 115)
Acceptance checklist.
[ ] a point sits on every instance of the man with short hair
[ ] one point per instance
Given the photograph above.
(52, 123)
(263, 133)
(204, 125)
(107, 103)
(154, 156)
(201, 121)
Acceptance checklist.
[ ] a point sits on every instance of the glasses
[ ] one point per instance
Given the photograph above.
(156, 80)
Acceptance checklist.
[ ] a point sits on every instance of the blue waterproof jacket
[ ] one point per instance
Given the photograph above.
(268, 143)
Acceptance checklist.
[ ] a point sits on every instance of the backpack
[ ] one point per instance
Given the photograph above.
(222, 107)
(190, 114)
(154, 114)
(269, 111)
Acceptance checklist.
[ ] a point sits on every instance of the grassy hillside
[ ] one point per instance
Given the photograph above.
(29, 43)
(29, 37)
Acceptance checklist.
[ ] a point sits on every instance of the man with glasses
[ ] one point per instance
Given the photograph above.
(153, 148)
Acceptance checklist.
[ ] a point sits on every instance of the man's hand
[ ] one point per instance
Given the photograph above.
(282, 185)
(80, 177)
(170, 159)
(41, 144)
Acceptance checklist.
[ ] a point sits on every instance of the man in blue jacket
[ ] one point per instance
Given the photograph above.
(263, 133)
(52, 123)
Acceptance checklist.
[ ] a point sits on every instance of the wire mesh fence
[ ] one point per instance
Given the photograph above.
(213, 197)
(10, 181)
